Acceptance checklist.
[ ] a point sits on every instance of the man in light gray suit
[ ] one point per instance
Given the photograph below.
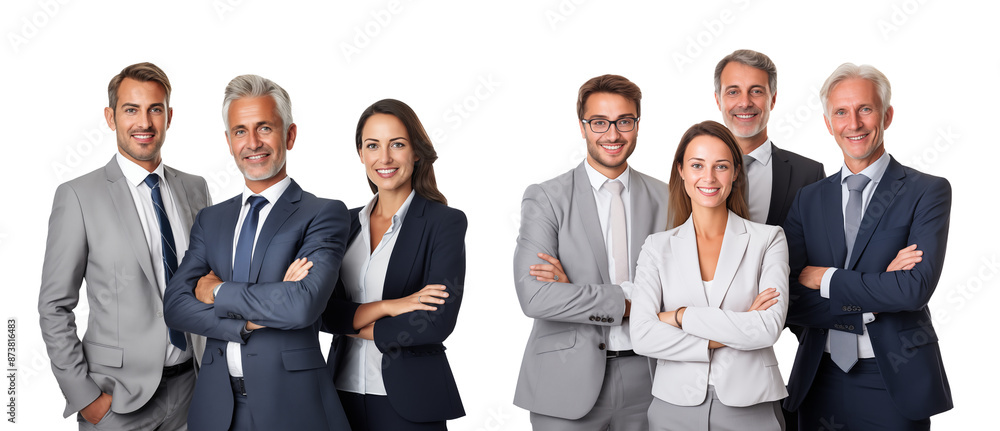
(579, 240)
(122, 228)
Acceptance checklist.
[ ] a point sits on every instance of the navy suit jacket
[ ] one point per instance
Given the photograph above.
(789, 173)
(288, 384)
(430, 250)
(908, 207)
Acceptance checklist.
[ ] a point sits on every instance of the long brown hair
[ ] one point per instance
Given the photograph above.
(680, 202)
(423, 180)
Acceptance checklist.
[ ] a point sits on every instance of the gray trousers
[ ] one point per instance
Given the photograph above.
(621, 405)
(166, 411)
(713, 415)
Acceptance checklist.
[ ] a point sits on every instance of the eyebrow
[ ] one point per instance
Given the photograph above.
(134, 105)
(620, 117)
(702, 160)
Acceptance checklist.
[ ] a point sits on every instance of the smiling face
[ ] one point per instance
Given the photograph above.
(708, 172)
(140, 121)
(607, 152)
(387, 153)
(257, 142)
(857, 121)
(746, 103)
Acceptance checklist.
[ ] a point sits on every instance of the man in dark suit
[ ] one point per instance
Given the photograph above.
(122, 228)
(262, 368)
(746, 88)
(869, 358)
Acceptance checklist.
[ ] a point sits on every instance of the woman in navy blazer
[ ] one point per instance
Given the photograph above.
(400, 285)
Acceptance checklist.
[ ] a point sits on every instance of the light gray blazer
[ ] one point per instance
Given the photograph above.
(563, 366)
(754, 257)
(95, 235)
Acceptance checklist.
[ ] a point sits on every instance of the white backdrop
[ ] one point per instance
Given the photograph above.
(495, 83)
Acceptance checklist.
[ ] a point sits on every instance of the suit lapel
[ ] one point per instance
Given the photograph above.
(583, 197)
(225, 233)
(734, 246)
(404, 252)
(833, 219)
(287, 204)
(643, 208)
(121, 196)
(892, 181)
(781, 176)
(685, 247)
(181, 199)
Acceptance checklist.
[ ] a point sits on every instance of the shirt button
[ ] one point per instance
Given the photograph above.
(159, 314)
(601, 346)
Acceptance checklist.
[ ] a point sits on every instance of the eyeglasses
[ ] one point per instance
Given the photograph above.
(601, 125)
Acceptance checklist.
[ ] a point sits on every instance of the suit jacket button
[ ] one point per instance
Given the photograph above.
(220, 352)
(604, 320)
(601, 346)
(591, 318)
(844, 308)
(851, 327)
(611, 320)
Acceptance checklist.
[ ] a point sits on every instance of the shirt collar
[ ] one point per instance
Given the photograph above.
(598, 179)
(134, 173)
(763, 153)
(397, 219)
(271, 193)
(874, 171)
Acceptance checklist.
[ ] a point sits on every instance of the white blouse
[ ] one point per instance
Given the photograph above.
(364, 276)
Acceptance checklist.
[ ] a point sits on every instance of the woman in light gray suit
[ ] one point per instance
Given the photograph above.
(710, 297)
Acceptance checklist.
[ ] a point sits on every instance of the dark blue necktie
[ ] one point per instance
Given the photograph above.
(169, 251)
(244, 245)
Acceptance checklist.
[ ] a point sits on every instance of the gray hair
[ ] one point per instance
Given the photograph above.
(850, 71)
(257, 86)
(750, 58)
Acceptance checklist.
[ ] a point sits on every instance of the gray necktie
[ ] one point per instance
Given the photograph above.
(747, 161)
(844, 345)
(619, 238)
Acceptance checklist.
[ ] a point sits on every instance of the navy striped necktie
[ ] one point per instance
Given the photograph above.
(167, 247)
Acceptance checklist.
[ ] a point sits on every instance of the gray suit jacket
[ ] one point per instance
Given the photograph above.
(563, 366)
(95, 235)
(753, 258)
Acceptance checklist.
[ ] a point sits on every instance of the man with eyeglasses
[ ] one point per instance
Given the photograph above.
(579, 240)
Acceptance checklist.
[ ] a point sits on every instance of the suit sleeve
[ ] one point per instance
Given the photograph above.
(909, 290)
(446, 265)
(561, 302)
(65, 264)
(806, 307)
(650, 336)
(295, 304)
(181, 309)
(749, 330)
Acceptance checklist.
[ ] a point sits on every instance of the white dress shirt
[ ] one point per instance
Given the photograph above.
(618, 336)
(364, 279)
(136, 176)
(234, 351)
(874, 172)
(759, 179)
